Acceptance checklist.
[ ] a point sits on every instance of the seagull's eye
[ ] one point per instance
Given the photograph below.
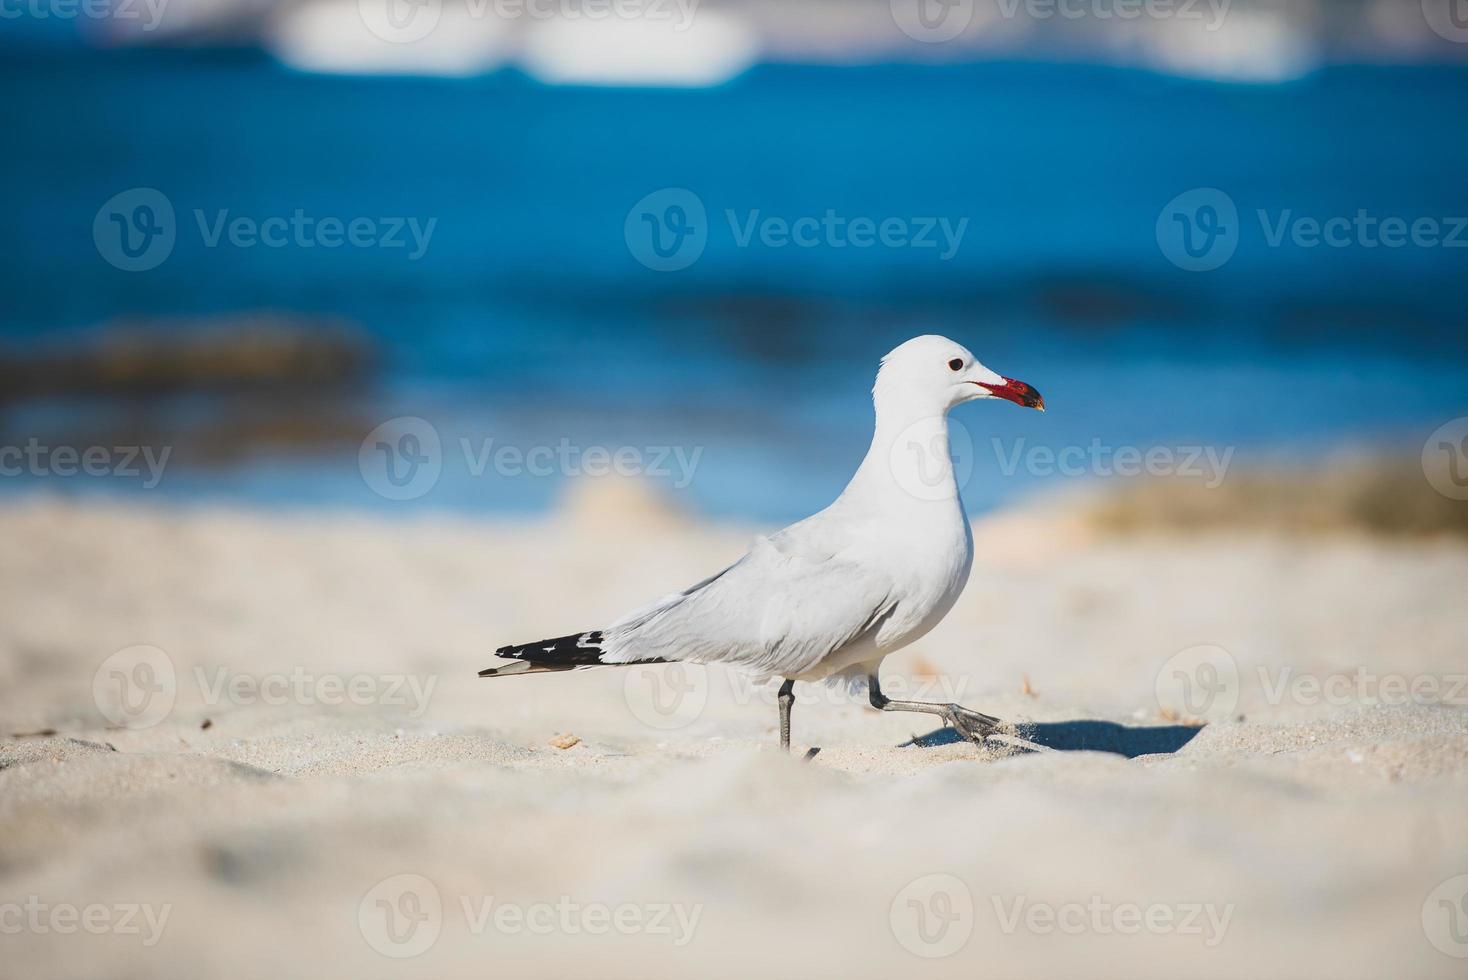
(956, 364)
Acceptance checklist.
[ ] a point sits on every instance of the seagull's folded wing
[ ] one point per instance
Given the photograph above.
(777, 612)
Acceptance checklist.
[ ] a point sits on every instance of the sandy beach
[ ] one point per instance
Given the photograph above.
(251, 744)
(345, 342)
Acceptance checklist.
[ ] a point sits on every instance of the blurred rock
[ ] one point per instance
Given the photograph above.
(150, 359)
(1383, 496)
(619, 505)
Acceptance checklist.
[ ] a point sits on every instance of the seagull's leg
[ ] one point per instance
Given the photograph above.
(786, 698)
(970, 724)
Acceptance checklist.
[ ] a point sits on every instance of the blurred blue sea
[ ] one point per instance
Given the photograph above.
(528, 320)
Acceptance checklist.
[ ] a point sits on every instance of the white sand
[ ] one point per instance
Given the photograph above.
(1304, 840)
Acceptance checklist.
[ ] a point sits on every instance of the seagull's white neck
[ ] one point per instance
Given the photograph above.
(909, 465)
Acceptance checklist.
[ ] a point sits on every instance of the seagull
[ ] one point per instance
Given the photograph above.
(830, 597)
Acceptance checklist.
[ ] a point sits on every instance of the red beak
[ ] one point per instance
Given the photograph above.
(1017, 392)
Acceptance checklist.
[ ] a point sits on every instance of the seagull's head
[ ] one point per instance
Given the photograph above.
(933, 374)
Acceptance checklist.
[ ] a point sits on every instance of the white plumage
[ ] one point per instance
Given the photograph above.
(831, 596)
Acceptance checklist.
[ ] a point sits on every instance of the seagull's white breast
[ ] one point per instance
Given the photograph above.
(926, 558)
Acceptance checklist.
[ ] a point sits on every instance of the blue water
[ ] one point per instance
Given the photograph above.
(528, 319)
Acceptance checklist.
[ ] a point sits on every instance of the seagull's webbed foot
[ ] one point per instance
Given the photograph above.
(972, 725)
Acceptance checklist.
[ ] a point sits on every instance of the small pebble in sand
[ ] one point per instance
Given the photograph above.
(565, 741)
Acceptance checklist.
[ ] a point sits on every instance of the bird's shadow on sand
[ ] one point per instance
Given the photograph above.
(1084, 736)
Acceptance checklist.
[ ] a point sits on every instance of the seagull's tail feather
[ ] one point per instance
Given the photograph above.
(579, 650)
(521, 667)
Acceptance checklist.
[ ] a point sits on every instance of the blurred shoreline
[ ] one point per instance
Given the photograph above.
(281, 414)
(530, 321)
